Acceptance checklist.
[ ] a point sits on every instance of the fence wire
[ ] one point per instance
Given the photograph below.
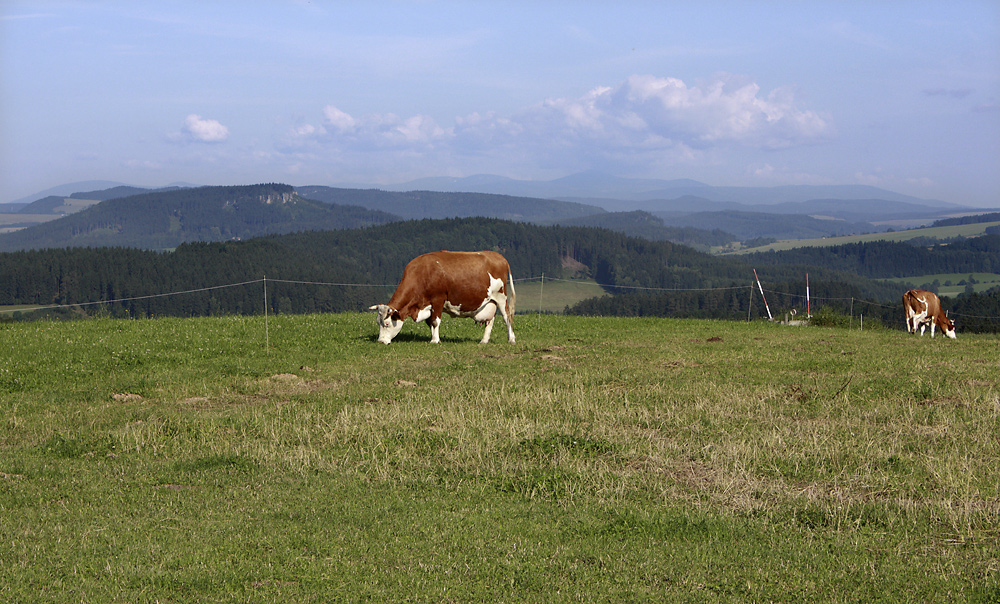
(541, 279)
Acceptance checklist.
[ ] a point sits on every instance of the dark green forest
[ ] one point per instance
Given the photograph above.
(886, 259)
(370, 260)
(349, 270)
(975, 219)
(751, 225)
(646, 225)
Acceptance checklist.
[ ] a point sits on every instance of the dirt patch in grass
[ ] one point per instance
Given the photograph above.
(126, 397)
(680, 364)
(285, 384)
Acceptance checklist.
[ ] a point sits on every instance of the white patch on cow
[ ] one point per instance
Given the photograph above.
(435, 330)
(920, 319)
(486, 313)
(388, 327)
(493, 291)
(424, 314)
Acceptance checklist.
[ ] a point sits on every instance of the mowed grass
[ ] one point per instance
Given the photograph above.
(596, 460)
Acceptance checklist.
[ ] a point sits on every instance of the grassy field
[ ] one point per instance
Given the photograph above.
(554, 295)
(293, 459)
(946, 232)
(15, 222)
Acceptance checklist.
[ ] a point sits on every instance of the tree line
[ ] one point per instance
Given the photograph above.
(349, 270)
(888, 259)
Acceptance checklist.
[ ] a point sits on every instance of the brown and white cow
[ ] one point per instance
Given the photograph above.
(923, 308)
(462, 284)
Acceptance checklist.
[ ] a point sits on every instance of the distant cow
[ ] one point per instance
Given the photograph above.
(923, 308)
(462, 284)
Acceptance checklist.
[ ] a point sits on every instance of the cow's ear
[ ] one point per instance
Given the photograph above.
(373, 307)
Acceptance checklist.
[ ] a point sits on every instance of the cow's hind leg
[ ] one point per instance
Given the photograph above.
(488, 330)
(508, 320)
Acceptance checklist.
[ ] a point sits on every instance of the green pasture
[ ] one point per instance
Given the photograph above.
(293, 459)
(945, 232)
(553, 296)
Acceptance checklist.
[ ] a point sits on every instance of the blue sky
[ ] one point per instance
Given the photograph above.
(900, 95)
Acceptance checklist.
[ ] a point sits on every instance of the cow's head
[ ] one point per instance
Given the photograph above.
(948, 327)
(389, 322)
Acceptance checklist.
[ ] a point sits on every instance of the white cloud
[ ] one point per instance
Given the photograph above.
(643, 122)
(204, 130)
(338, 119)
(665, 112)
(343, 130)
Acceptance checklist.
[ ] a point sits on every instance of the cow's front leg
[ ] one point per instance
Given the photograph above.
(435, 323)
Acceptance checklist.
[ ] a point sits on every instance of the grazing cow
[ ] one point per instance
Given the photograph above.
(923, 308)
(462, 284)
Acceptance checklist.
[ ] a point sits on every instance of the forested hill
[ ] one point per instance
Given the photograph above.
(120, 191)
(365, 264)
(414, 205)
(752, 225)
(646, 225)
(164, 219)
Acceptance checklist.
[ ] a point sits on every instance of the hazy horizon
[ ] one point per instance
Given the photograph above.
(901, 96)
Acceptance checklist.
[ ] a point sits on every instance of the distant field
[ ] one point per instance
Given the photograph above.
(9, 219)
(71, 205)
(984, 281)
(962, 230)
(554, 296)
(15, 222)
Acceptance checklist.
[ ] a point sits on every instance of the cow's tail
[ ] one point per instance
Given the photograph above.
(511, 294)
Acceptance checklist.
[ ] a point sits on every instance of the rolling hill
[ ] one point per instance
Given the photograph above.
(683, 210)
(646, 225)
(416, 205)
(164, 220)
(752, 225)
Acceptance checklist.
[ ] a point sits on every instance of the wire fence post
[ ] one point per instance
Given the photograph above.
(750, 305)
(763, 297)
(267, 333)
(809, 313)
(541, 287)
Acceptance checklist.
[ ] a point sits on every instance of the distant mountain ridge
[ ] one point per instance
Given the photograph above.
(419, 204)
(165, 219)
(682, 210)
(594, 185)
(120, 191)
